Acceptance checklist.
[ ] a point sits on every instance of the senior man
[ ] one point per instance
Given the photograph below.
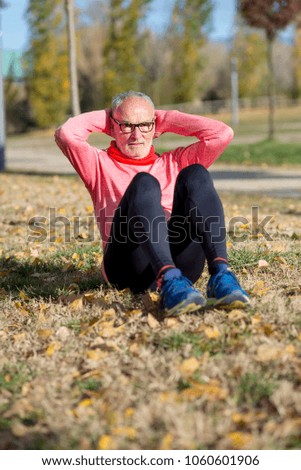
(159, 216)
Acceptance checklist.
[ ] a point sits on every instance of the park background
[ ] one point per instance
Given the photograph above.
(83, 366)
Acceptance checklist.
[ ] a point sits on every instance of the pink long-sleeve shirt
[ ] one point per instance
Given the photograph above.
(107, 178)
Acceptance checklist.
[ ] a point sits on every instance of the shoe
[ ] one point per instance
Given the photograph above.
(224, 290)
(177, 295)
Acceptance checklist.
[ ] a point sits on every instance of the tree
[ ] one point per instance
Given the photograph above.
(250, 50)
(189, 17)
(69, 7)
(122, 67)
(47, 63)
(296, 92)
(3, 4)
(271, 16)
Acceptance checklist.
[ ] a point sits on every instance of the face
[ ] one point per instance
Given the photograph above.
(133, 110)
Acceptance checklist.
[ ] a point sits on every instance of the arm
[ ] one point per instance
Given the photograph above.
(213, 135)
(72, 138)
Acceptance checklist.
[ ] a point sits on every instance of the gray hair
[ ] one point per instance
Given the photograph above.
(121, 97)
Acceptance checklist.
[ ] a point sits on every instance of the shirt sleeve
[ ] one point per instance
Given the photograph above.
(213, 136)
(72, 138)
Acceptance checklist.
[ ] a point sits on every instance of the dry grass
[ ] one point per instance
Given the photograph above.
(83, 366)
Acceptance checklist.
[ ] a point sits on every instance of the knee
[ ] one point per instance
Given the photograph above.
(195, 174)
(144, 183)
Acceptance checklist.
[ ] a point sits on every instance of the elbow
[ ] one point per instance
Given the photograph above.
(228, 134)
(60, 135)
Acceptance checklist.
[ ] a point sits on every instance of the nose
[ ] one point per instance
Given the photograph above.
(137, 132)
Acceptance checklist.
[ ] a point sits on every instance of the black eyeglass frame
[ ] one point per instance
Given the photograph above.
(133, 126)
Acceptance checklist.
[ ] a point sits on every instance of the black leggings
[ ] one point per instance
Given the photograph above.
(142, 241)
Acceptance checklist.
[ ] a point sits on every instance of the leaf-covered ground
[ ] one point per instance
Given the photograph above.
(83, 366)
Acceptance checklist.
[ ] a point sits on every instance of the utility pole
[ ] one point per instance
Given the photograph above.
(234, 91)
(2, 112)
(69, 6)
(234, 71)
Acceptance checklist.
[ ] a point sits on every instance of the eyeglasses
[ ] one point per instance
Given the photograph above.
(128, 128)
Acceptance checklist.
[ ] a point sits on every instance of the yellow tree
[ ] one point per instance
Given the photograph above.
(189, 17)
(47, 63)
(122, 66)
(250, 50)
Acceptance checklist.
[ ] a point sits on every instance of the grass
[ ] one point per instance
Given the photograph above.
(83, 366)
(253, 390)
(265, 152)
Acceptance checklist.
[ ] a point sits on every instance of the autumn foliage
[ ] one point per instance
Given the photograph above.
(83, 366)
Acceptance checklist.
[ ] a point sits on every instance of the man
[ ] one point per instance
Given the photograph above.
(159, 216)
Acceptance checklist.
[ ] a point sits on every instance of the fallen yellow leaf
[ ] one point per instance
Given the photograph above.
(290, 349)
(167, 441)
(53, 347)
(267, 353)
(109, 315)
(238, 440)
(256, 319)
(211, 391)
(105, 442)
(129, 412)
(244, 419)
(86, 402)
(21, 308)
(171, 322)
(167, 396)
(134, 312)
(44, 333)
(259, 289)
(236, 315)
(109, 331)
(19, 337)
(212, 332)
(135, 348)
(76, 304)
(96, 354)
(152, 322)
(189, 366)
(128, 432)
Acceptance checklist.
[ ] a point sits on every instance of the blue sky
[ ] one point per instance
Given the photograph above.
(14, 28)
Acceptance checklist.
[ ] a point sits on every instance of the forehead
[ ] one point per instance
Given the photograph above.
(135, 109)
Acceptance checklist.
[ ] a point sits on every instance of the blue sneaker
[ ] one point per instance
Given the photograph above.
(224, 290)
(177, 295)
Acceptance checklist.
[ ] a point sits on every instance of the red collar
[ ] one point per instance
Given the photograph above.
(115, 153)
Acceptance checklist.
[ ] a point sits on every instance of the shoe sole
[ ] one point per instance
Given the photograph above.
(182, 308)
(226, 303)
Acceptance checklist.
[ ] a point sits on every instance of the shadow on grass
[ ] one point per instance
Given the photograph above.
(31, 441)
(46, 279)
(40, 174)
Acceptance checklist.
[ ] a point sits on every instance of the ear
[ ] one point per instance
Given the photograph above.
(112, 132)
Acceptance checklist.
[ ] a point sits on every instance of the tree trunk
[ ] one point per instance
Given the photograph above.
(75, 106)
(271, 89)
